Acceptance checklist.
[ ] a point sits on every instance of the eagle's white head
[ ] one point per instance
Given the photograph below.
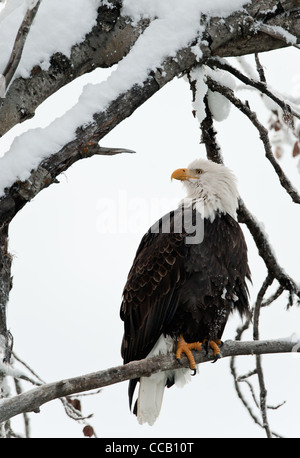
(211, 186)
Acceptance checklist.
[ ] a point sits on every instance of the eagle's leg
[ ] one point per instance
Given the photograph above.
(184, 347)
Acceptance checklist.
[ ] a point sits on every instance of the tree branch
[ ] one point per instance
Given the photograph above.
(259, 371)
(33, 399)
(262, 405)
(266, 252)
(87, 137)
(114, 35)
(250, 39)
(244, 108)
(45, 174)
(245, 216)
(107, 43)
(261, 86)
(279, 33)
(19, 43)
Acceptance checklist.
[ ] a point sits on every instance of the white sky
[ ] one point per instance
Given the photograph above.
(70, 268)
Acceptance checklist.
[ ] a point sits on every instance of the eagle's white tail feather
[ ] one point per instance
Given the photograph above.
(151, 388)
(150, 397)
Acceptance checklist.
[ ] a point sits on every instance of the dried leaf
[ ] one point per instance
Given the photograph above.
(278, 152)
(296, 149)
(75, 403)
(88, 431)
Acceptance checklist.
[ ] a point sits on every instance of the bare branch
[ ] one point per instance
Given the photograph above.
(241, 396)
(265, 250)
(72, 407)
(33, 399)
(244, 108)
(259, 85)
(260, 69)
(256, 313)
(263, 392)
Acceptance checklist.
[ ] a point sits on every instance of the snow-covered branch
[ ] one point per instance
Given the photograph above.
(32, 400)
(115, 33)
(107, 43)
(39, 174)
(52, 150)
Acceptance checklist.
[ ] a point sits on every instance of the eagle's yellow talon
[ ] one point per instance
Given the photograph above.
(184, 347)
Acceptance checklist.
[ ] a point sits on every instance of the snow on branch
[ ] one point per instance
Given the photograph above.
(32, 400)
(29, 160)
(279, 33)
(37, 157)
(97, 49)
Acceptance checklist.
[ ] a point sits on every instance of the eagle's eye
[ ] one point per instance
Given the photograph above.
(199, 171)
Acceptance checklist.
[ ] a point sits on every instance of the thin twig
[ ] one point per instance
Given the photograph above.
(249, 374)
(240, 394)
(260, 69)
(276, 407)
(17, 358)
(252, 392)
(263, 396)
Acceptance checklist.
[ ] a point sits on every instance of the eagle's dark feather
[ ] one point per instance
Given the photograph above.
(175, 287)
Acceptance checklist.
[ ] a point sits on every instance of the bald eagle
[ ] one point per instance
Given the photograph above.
(188, 275)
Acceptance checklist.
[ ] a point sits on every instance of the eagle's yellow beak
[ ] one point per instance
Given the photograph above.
(182, 174)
